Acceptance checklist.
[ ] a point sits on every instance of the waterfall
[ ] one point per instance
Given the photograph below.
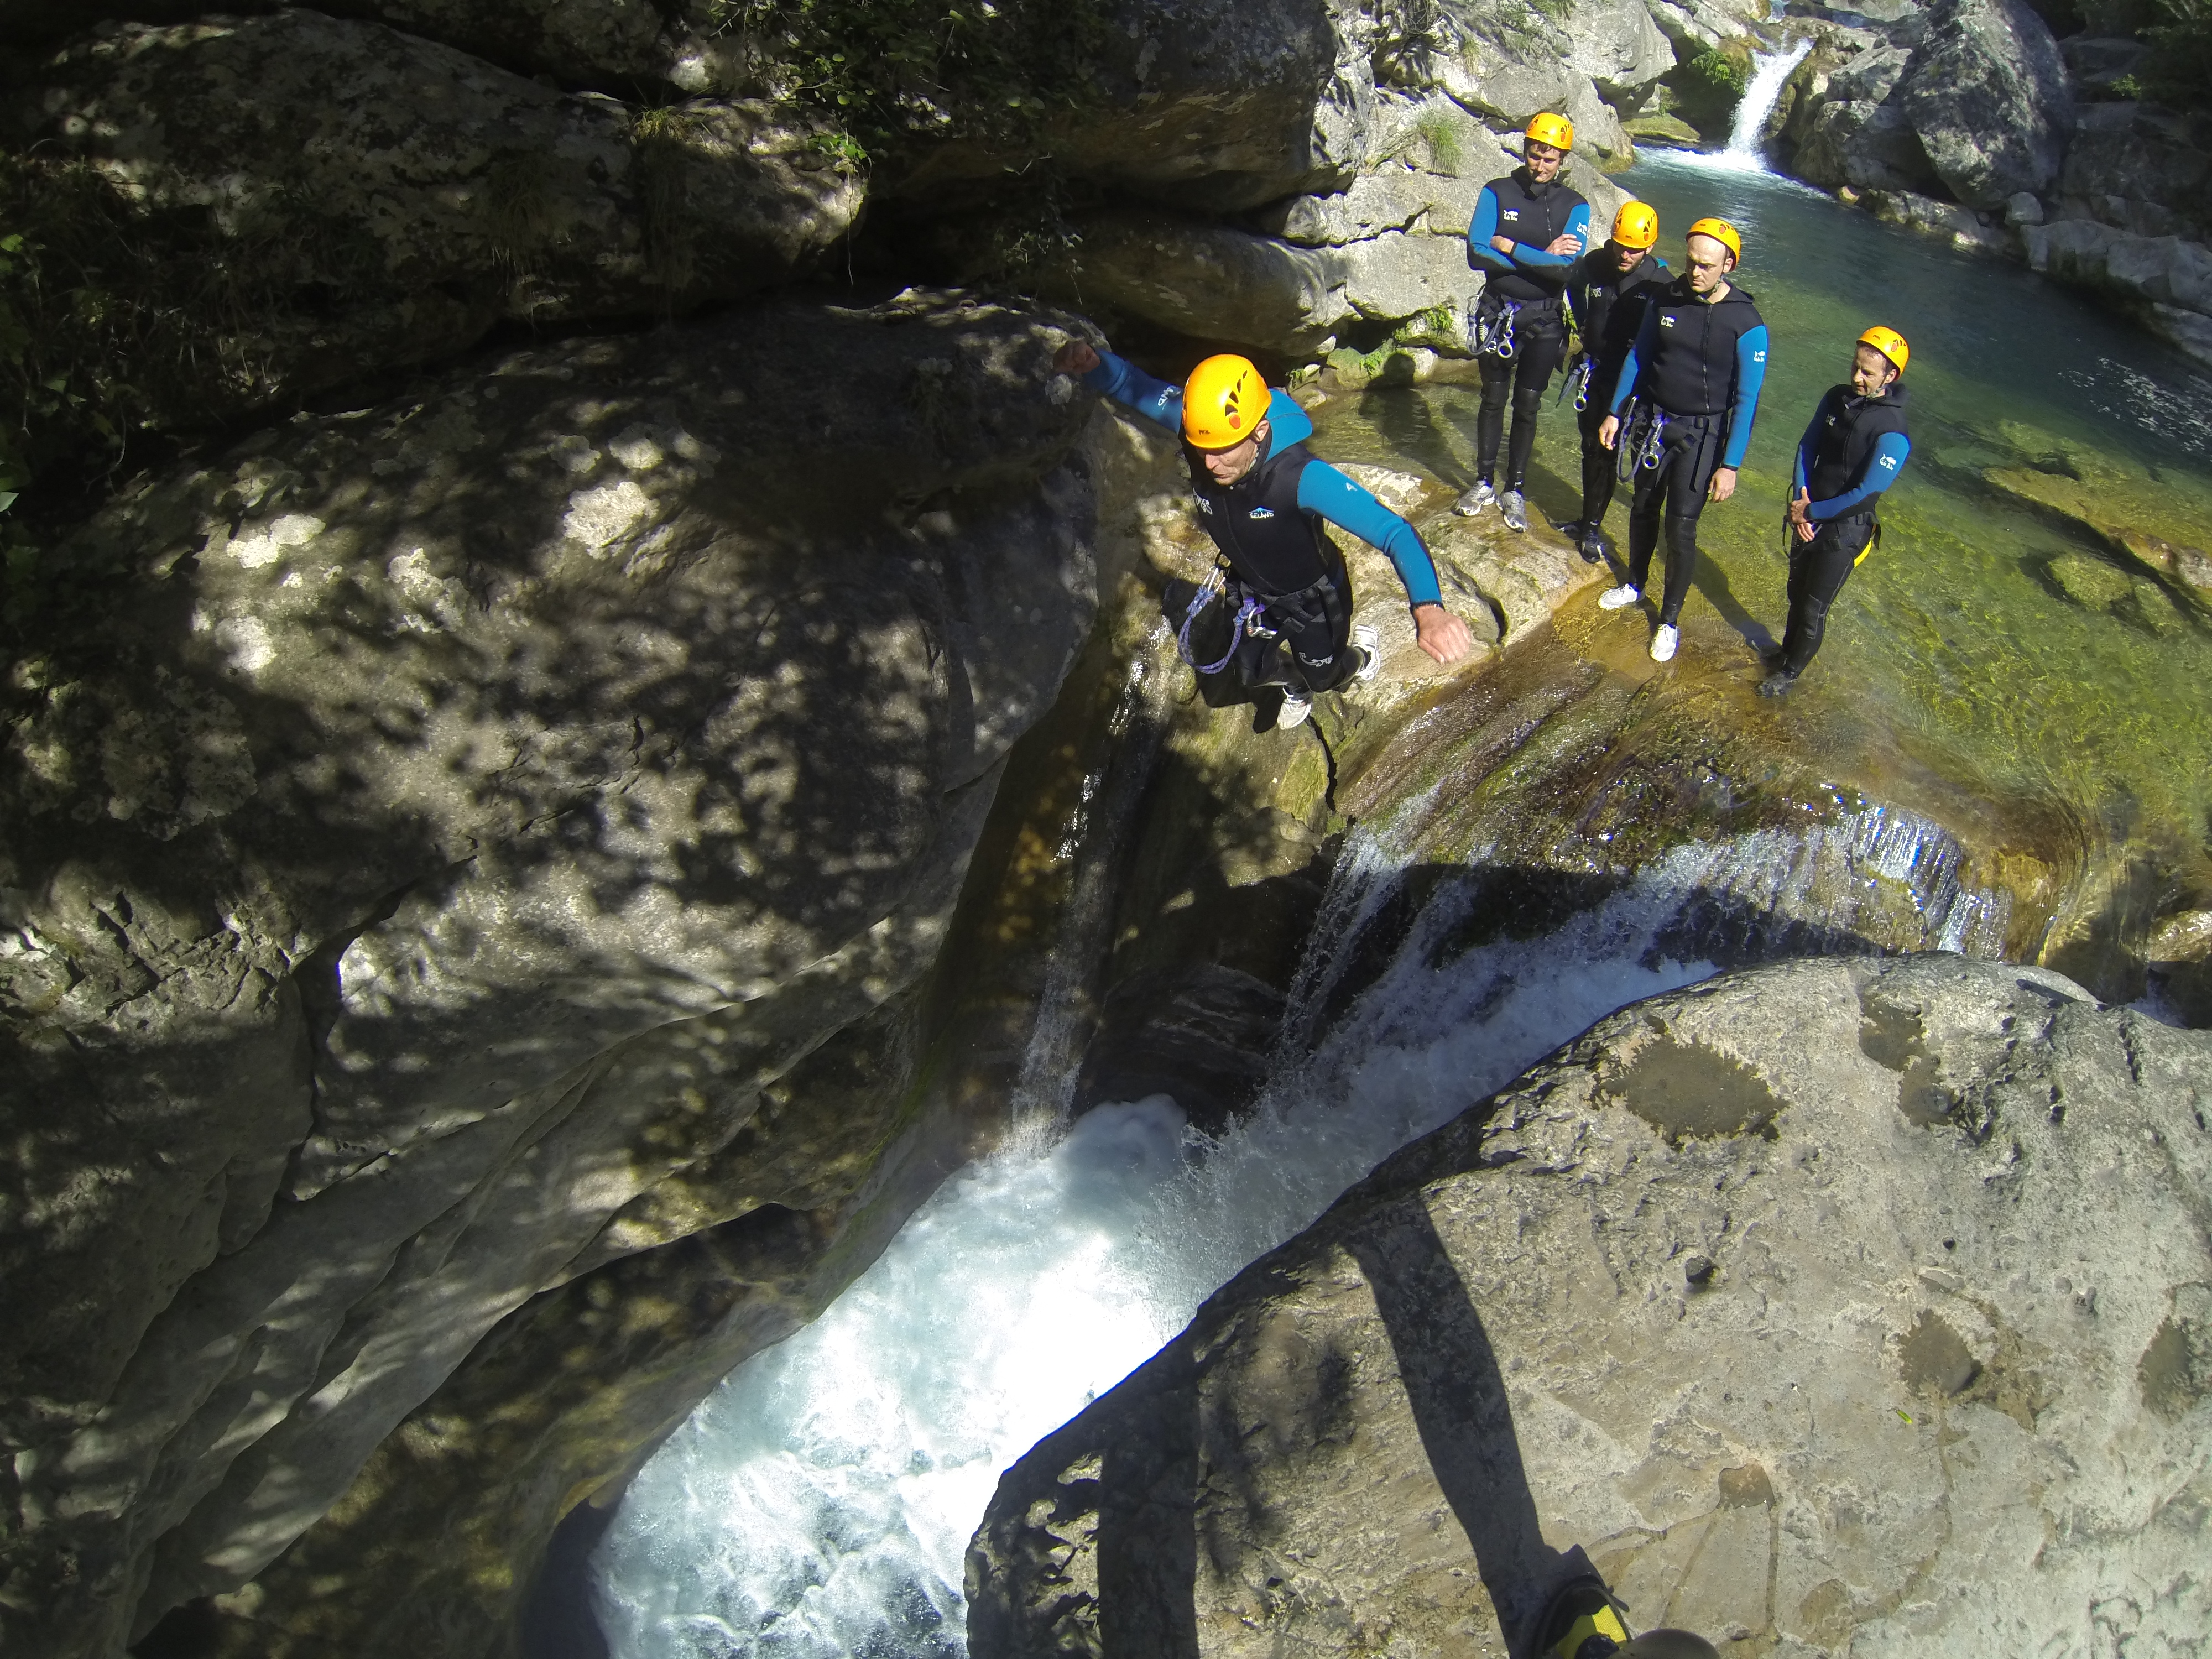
(1770, 71)
(819, 1503)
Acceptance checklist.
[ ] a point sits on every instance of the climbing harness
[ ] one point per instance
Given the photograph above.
(1643, 439)
(1493, 327)
(1245, 621)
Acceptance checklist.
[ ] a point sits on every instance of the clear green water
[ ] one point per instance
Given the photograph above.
(1988, 658)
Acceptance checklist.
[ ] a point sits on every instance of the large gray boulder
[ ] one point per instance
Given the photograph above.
(1987, 93)
(423, 194)
(1847, 1306)
(2138, 168)
(619, 46)
(465, 808)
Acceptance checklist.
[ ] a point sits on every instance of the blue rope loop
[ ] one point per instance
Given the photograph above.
(1245, 620)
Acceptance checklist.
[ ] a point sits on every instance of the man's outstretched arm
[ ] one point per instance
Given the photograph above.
(1124, 382)
(1322, 490)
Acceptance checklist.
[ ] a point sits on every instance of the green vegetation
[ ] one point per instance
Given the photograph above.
(890, 70)
(1709, 86)
(1433, 139)
(2178, 70)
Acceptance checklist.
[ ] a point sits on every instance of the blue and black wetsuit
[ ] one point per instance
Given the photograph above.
(1853, 450)
(1287, 579)
(1607, 304)
(1694, 374)
(1522, 301)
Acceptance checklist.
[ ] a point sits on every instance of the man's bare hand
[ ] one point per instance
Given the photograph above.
(1608, 431)
(1724, 485)
(1567, 243)
(1440, 633)
(1076, 357)
(1800, 520)
(1504, 245)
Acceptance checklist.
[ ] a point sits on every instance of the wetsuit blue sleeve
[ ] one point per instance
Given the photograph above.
(1324, 490)
(1528, 253)
(1479, 230)
(1125, 383)
(1750, 375)
(1639, 352)
(1883, 467)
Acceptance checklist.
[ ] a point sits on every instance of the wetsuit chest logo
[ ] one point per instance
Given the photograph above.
(1666, 321)
(1263, 512)
(1510, 213)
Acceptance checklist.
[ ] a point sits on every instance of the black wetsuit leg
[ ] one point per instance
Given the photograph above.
(1599, 475)
(1672, 494)
(1542, 348)
(1490, 420)
(1315, 651)
(1818, 570)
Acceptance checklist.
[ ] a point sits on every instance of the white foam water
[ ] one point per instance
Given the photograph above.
(1770, 73)
(820, 1502)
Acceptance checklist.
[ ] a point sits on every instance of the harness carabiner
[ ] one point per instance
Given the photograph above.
(1578, 382)
(1493, 329)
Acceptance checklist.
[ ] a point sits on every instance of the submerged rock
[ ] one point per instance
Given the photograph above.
(1830, 1305)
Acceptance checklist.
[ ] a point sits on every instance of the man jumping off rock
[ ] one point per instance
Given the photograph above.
(1279, 612)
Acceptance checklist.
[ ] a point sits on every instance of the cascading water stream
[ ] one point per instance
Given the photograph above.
(1770, 73)
(820, 1502)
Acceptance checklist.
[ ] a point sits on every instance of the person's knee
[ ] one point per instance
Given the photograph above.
(1682, 535)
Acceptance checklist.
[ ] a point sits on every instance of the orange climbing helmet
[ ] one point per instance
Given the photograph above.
(1889, 342)
(1722, 232)
(1223, 399)
(1636, 225)
(1547, 128)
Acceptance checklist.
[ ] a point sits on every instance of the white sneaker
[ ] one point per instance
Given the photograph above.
(1476, 498)
(1510, 509)
(1295, 711)
(1619, 598)
(1369, 644)
(1663, 643)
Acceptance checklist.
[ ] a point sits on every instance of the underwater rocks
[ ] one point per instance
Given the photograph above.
(1833, 1305)
(466, 809)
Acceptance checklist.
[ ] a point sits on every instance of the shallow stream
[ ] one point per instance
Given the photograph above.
(1995, 648)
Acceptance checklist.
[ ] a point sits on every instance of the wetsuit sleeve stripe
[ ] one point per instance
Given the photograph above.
(1528, 253)
(1639, 352)
(1324, 490)
(1887, 460)
(1750, 375)
(1125, 383)
(1479, 230)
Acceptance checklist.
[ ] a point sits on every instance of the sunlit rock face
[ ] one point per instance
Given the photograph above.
(1802, 1303)
(469, 806)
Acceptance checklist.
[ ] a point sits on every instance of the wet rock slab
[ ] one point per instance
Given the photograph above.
(1839, 1306)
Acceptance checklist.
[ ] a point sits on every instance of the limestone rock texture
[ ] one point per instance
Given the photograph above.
(1967, 121)
(411, 196)
(1804, 1306)
(467, 809)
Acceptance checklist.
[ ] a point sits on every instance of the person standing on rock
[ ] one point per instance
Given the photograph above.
(1605, 291)
(1527, 231)
(1687, 395)
(1280, 613)
(1854, 450)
